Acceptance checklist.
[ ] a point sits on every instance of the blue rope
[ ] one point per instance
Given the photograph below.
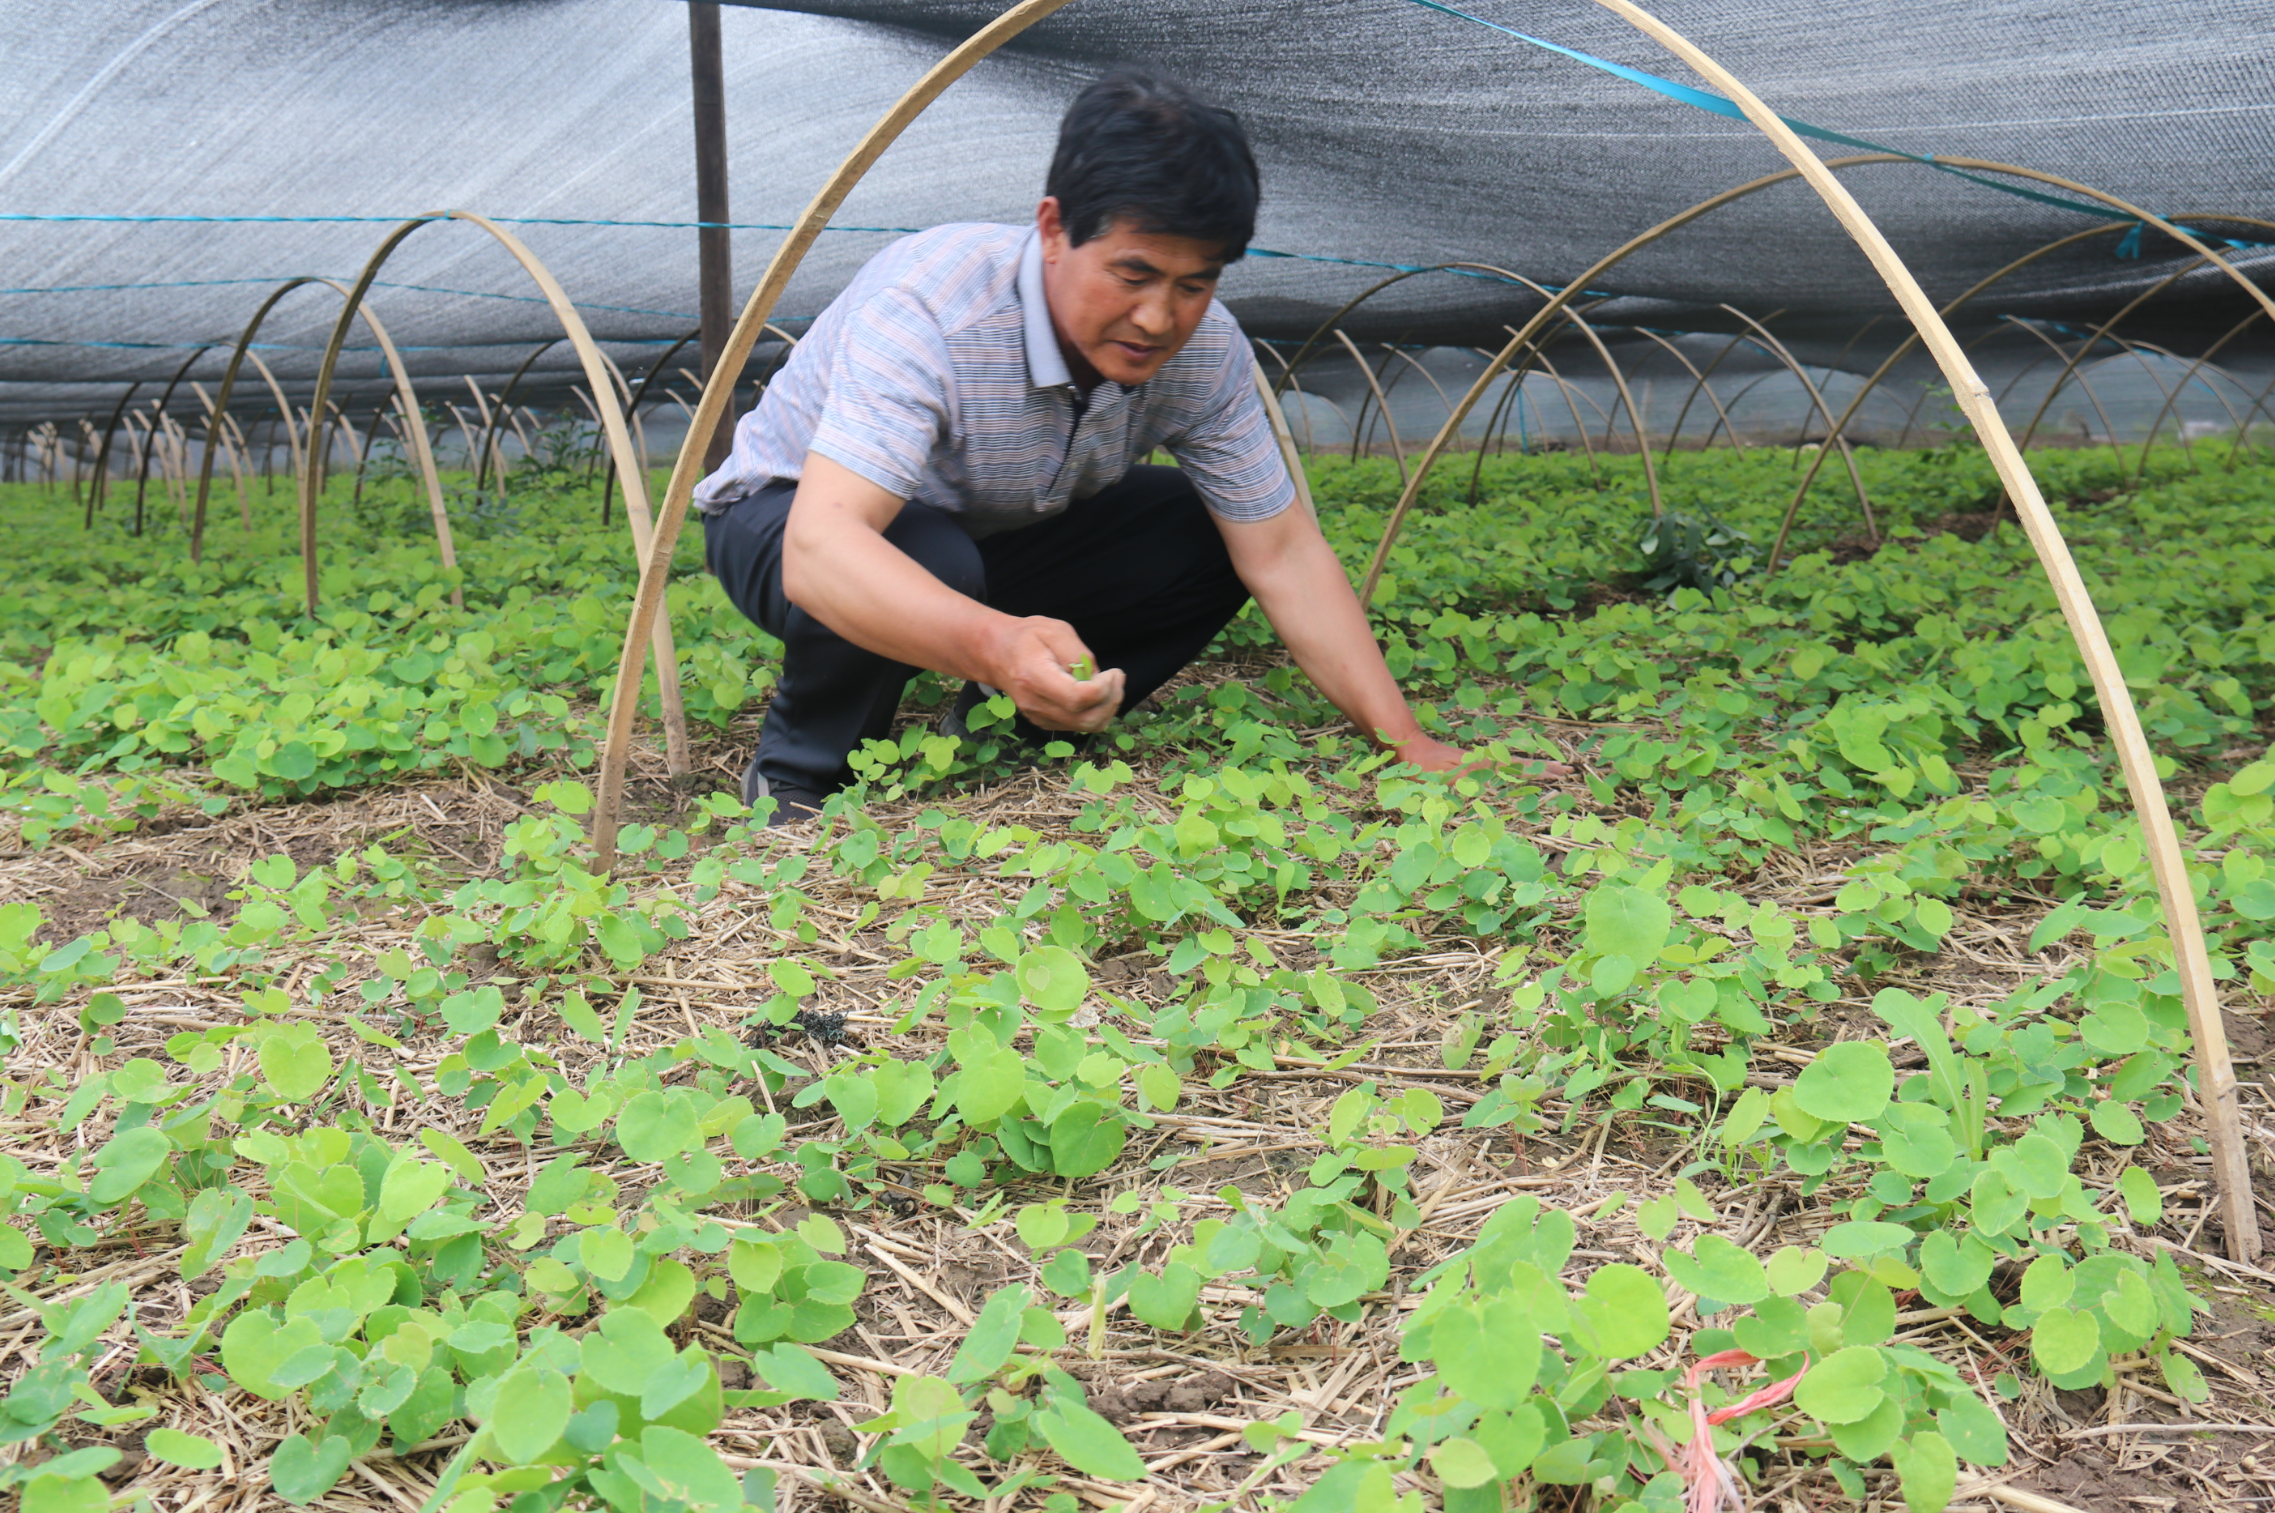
(1721, 106)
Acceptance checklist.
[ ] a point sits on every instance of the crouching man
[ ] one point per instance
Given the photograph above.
(945, 474)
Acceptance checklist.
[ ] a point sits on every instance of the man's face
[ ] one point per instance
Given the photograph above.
(1124, 302)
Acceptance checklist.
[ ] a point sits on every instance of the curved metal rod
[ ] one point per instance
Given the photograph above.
(370, 435)
(612, 419)
(2235, 451)
(1496, 422)
(655, 575)
(2104, 329)
(142, 472)
(2215, 1072)
(1520, 336)
(1319, 333)
(1374, 387)
(1634, 416)
(1698, 385)
(1832, 436)
(1911, 339)
(422, 449)
(639, 396)
(505, 399)
(1736, 441)
(1565, 389)
(2136, 348)
(2062, 379)
(244, 352)
(99, 484)
(283, 421)
(1846, 348)
(1411, 360)
(2189, 377)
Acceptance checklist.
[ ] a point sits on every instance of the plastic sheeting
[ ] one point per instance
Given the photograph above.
(1388, 133)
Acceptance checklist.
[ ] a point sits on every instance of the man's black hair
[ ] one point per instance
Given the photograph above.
(1138, 147)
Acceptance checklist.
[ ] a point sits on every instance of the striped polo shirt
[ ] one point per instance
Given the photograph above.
(936, 375)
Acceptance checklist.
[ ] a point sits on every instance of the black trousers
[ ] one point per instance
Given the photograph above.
(1139, 570)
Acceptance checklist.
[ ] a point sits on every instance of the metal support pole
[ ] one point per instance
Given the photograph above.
(715, 266)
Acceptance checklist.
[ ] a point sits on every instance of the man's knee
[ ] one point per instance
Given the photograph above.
(932, 539)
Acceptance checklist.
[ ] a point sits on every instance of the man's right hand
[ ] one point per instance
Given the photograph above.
(1033, 661)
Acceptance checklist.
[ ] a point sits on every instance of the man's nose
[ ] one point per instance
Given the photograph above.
(1153, 313)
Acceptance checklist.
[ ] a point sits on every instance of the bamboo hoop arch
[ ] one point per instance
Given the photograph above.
(1286, 439)
(2070, 372)
(2106, 329)
(648, 602)
(505, 400)
(1816, 398)
(157, 415)
(1381, 404)
(98, 484)
(1911, 340)
(2198, 366)
(1699, 385)
(2235, 451)
(1715, 202)
(2216, 1085)
(1619, 381)
(596, 368)
(423, 453)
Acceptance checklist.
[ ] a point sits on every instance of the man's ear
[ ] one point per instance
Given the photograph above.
(1050, 225)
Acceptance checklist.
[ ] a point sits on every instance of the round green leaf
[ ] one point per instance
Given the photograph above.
(1795, 1269)
(1085, 1140)
(175, 1448)
(295, 1062)
(1953, 1266)
(1627, 921)
(1848, 1083)
(2117, 1124)
(1490, 1354)
(1463, 1463)
(1926, 1470)
(1053, 979)
(1622, 1312)
(1719, 1270)
(1858, 1239)
(1087, 1442)
(1844, 1387)
(2143, 1203)
(1158, 1086)
(989, 1086)
(533, 1407)
(2064, 1340)
(606, 1252)
(127, 1162)
(657, 1126)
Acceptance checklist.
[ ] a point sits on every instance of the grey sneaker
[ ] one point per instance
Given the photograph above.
(790, 804)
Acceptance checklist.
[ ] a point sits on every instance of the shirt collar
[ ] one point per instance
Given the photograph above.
(1046, 365)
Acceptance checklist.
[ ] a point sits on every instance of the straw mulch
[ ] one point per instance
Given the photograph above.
(1181, 1399)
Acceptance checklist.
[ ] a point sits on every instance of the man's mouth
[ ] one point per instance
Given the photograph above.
(1135, 351)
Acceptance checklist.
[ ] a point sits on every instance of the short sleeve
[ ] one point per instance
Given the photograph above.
(890, 394)
(1228, 450)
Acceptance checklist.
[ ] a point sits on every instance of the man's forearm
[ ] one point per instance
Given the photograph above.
(845, 574)
(1309, 602)
(838, 567)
